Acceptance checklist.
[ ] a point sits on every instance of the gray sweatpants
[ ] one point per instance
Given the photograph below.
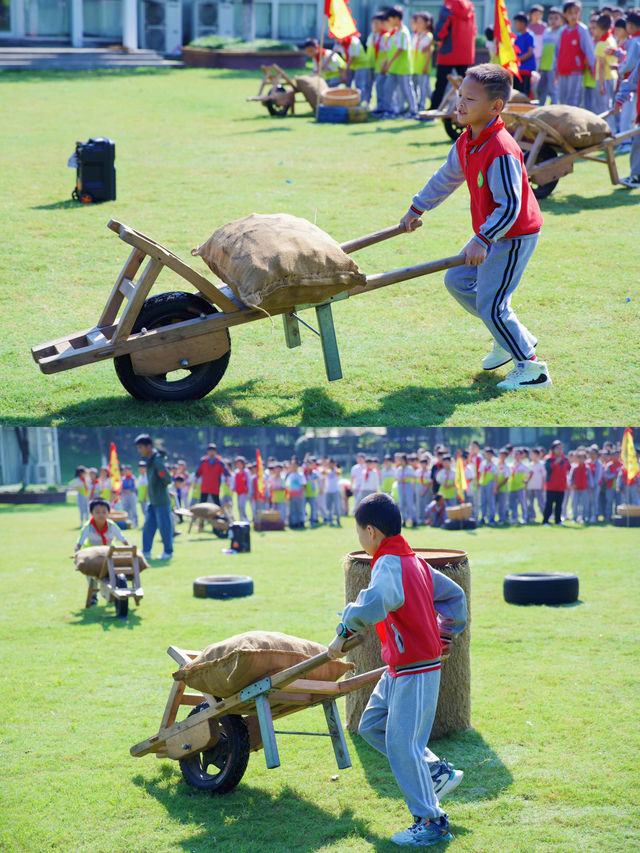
(398, 91)
(634, 155)
(486, 291)
(602, 103)
(570, 89)
(397, 722)
(488, 503)
(547, 87)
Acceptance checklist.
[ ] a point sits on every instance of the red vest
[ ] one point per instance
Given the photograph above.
(580, 477)
(557, 482)
(571, 58)
(411, 634)
(475, 164)
(241, 483)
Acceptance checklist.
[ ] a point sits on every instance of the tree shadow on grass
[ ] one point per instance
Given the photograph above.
(571, 204)
(282, 822)
(411, 405)
(485, 776)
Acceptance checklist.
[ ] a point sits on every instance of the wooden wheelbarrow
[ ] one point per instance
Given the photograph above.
(548, 155)
(277, 91)
(220, 522)
(213, 743)
(176, 346)
(122, 580)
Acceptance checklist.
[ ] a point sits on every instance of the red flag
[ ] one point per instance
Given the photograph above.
(504, 39)
(341, 23)
(114, 469)
(261, 493)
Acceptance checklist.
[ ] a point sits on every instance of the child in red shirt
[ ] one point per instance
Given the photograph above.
(506, 221)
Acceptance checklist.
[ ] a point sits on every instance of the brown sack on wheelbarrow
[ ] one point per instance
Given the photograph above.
(580, 128)
(312, 87)
(207, 511)
(276, 261)
(224, 668)
(92, 561)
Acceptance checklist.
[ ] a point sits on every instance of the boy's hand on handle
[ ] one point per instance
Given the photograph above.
(336, 648)
(474, 253)
(411, 222)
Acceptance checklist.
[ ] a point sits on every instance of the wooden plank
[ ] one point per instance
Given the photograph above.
(151, 744)
(336, 731)
(173, 703)
(611, 161)
(127, 287)
(180, 656)
(203, 735)
(291, 331)
(305, 685)
(136, 301)
(267, 734)
(383, 279)
(129, 271)
(350, 684)
(371, 239)
(291, 698)
(177, 355)
(329, 341)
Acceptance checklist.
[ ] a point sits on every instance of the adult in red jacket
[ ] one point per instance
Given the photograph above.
(456, 36)
(210, 470)
(557, 467)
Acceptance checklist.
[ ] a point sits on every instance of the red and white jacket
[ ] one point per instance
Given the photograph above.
(403, 600)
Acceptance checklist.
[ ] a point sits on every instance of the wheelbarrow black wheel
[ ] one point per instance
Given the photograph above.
(453, 128)
(540, 191)
(190, 383)
(122, 604)
(276, 109)
(220, 768)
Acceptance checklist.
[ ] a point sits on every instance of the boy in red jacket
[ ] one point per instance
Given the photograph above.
(506, 221)
(417, 612)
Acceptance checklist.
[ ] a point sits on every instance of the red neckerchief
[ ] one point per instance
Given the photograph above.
(496, 125)
(346, 44)
(396, 545)
(100, 532)
(376, 41)
(605, 37)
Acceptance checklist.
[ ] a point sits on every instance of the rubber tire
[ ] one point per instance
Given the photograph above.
(541, 588)
(223, 586)
(221, 534)
(122, 604)
(163, 310)
(626, 521)
(541, 191)
(453, 129)
(460, 524)
(274, 109)
(237, 737)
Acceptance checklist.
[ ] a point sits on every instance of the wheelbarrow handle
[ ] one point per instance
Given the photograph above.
(376, 237)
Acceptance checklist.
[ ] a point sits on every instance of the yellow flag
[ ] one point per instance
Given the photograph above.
(341, 23)
(114, 469)
(503, 39)
(628, 455)
(461, 479)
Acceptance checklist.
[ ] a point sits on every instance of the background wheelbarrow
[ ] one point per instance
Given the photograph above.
(278, 92)
(176, 346)
(213, 743)
(548, 155)
(122, 580)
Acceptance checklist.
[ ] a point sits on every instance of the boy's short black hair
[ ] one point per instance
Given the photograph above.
(489, 450)
(633, 17)
(395, 12)
(143, 438)
(536, 8)
(380, 511)
(521, 16)
(620, 24)
(310, 43)
(80, 470)
(212, 446)
(569, 4)
(554, 10)
(98, 502)
(604, 22)
(488, 33)
(495, 79)
(380, 16)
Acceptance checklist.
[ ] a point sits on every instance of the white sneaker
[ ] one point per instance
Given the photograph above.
(498, 356)
(632, 182)
(445, 778)
(526, 374)
(146, 555)
(165, 556)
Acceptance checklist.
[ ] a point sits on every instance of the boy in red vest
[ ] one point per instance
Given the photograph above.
(241, 486)
(557, 469)
(417, 612)
(579, 480)
(505, 217)
(574, 54)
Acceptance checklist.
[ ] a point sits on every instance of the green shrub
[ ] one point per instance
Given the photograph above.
(226, 43)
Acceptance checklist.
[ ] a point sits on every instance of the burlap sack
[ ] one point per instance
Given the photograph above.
(311, 87)
(580, 128)
(226, 667)
(207, 511)
(518, 97)
(92, 561)
(275, 261)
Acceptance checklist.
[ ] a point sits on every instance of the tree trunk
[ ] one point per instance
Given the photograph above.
(453, 713)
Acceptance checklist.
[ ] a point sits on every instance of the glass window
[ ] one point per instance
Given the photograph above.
(297, 21)
(102, 18)
(46, 17)
(262, 19)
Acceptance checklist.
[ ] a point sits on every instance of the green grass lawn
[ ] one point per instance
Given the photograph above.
(550, 764)
(192, 154)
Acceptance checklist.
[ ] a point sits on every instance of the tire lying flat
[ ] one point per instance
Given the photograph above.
(626, 520)
(223, 586)
(541, 588)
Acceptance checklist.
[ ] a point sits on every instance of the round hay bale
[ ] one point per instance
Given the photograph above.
(453, 713)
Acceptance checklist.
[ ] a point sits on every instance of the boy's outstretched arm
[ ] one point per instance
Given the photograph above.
(447, 179)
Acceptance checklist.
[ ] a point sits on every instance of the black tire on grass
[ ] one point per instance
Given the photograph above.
(228, 758)
(460, 524)
(164, 310)
(541, 588)
(122, 604)
(223, 586)
(278, 110)
(626, 521)
(452, 128)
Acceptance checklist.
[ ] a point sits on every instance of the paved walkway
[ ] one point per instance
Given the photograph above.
(79, 59)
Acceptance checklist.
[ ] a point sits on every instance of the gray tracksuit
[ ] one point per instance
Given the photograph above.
(627, 88)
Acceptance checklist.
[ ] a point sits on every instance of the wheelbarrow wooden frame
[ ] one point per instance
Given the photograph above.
(121, 560)
(281, 90)
(202, 339)
(259, 704)
(532, 134)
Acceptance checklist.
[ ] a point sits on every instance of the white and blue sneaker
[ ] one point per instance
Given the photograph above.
(445, 778)
(526, 374)
(424, 832)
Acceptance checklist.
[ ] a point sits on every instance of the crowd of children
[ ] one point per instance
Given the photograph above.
(507, 485)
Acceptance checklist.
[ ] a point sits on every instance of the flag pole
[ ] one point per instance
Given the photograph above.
(318, 74)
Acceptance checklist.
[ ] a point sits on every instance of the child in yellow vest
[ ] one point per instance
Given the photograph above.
(421, 51)
(446, 478)
(142, 485)
(399, 96)
(502, 486)
(520, 474)
(387, 475)
(327, 62)
(606, 76)
(278, 491)
(380, 51)
(487, 474)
